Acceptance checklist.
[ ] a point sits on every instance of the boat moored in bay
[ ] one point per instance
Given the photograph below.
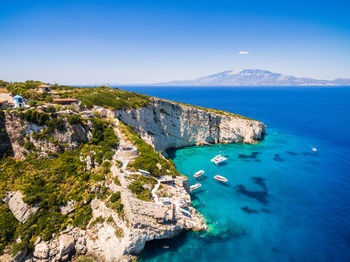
(218, 159)
(220, 178)
(195, 186)
(198, 174)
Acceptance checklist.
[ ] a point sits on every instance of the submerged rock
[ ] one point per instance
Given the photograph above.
(218, 231)
(278, 158)
(253, 155)
(249, 210)
(260, 181)
(261, 196)
(292, 153)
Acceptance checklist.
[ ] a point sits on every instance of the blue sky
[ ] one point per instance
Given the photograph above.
(88, 42)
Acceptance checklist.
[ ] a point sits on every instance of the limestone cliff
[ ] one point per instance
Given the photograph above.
(114, 234)
(165, 125)
(16, 132)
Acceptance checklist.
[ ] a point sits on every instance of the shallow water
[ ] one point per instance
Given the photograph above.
(283, 202)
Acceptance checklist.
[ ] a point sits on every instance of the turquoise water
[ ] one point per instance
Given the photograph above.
(283, 202)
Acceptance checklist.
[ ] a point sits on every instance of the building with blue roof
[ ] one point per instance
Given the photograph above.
(18, 101)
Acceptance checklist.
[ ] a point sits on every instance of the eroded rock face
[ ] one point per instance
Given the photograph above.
(19, 256)
(20, 210)
(166, 125)
(67, 243)
(17, 129)
(41, 251)
(61, 248)
(68, 208)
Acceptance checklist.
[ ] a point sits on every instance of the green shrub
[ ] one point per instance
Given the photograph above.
(110, 219)
(110, 98)
(74, 120)
(8, 225)
(108, 155)
(136, 187)
(36, 117)
(114, 197)
(33, 103)
(119, 207)
(29, 146)
(49, 109)
(106, 167)
(82, 216)
(118, 163)
(140, 192)
(56, 124)
(106, 164)
(116, 181)
(97, 177)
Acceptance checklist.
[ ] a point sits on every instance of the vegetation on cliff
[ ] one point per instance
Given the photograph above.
(49, 183)
(52, 179)
(148, 158)
(111, 98)
(142, 186)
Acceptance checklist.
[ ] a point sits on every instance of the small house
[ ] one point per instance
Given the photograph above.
(164, 214)
(65, 101)
(18, 101)
(43, 89)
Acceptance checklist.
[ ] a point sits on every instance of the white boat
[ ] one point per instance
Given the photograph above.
(198, 174)
(314, 149)
(195, 187)
(220, 178)
(218, 159)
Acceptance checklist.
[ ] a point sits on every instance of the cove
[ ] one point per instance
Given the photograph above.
(283, 202)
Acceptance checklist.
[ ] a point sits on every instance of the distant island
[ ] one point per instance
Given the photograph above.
(255, 77)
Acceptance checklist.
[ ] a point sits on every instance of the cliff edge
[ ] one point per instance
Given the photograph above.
(164, 125)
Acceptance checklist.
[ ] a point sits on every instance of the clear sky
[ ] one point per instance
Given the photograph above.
(144, 41)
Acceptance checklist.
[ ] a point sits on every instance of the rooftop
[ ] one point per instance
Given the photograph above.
(43, 85)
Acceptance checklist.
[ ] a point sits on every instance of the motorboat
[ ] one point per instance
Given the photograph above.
(198, 174)
(195, 186)
(218, 159)
(220, 178)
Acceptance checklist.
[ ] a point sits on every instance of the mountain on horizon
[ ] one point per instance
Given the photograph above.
(256, 77)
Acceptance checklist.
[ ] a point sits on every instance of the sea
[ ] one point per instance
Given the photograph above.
(283, 201)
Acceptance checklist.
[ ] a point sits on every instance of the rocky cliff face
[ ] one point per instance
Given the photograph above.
(166, 125)
(17, 131)
(109, 235)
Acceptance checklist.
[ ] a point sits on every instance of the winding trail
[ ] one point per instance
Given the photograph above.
(154, 192)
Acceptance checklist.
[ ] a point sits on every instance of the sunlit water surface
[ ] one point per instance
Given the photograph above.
(283, 202)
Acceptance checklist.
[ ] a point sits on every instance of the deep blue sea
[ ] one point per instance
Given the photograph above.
(283, 202)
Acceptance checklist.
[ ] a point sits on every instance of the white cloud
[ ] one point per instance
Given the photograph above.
(243, 52)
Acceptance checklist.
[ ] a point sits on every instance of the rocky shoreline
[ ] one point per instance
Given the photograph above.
(110, 236)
